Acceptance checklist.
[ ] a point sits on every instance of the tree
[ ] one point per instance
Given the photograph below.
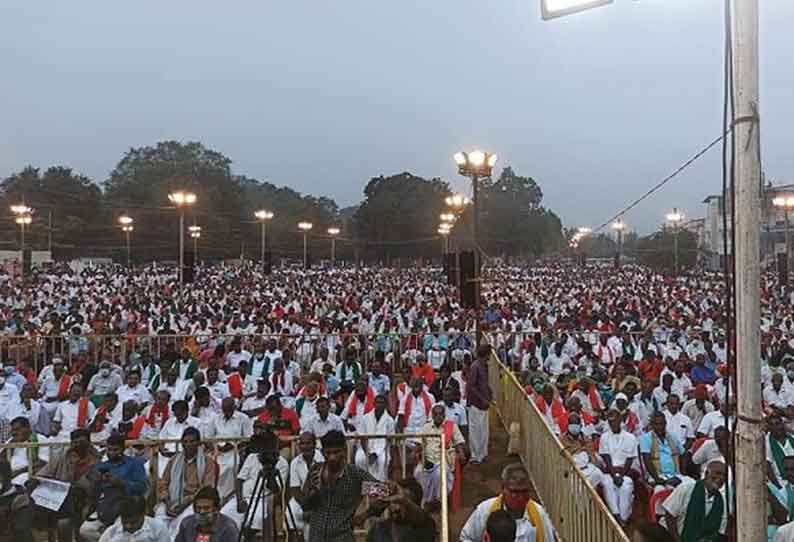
(400, 214)
(598, 246)
(657, 250)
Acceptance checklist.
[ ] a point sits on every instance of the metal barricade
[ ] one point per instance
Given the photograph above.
(575, 509)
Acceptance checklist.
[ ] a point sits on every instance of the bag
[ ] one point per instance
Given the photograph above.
(514, 443)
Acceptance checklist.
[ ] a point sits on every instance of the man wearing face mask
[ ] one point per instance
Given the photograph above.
(12, 376)
(532, 521)
(207, 524)
(581, 449)
(104, 382)
(134, 525)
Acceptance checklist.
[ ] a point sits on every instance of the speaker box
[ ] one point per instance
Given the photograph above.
(187, 271)
(469, 287)
(782, 269)
(451, 267)
(27, 261)
(268, 264)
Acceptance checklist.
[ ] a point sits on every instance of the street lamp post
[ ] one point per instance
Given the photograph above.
(305, 227)
(476, 165)
(675, 218)
(786, 204)
(333, 232)
(23, 218)
(619, 226)
(127, 228)
(195, 234)
(265, 217)
(181, 200)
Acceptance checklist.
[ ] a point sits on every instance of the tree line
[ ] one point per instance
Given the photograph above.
(397, 218)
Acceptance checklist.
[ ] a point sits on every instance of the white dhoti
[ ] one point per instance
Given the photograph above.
(593, 475)
(377, 468)
(431, 483)
(479, 433)
(619, 499)
(660, 488)
(227, 473)
(173, 524)
(256, 513)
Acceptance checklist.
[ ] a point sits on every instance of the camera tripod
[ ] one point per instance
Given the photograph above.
(267, 484)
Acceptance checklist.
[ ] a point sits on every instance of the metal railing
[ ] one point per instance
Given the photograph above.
(305, 348)
(151, 446)
(575, 509)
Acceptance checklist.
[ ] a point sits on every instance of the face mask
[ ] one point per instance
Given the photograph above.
(9, 370)
(104, 372)
(538, 388)
(790, 374)
(207, 519)
(575, 429)
(516, 501)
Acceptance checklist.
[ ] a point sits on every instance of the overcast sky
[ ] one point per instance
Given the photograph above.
(321, 96)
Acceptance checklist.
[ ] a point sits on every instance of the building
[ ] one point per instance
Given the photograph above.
(773, 227)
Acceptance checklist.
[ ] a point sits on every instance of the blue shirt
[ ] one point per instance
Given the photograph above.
(667, 466)
(380, 384)
(129, 470)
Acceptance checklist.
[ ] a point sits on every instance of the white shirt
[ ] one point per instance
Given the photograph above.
(708, 452)
(219, 391)
(436, 358)
(676, 505)
(713, 420)
(372, 426)
(619, 447)
(233, 359)
(18, 408)
(419, 416)
(251, 468)
(474, 528)
(173, 428)
(681, 386)
(555, 364)
(299, 471)
(455, 413)
(237, 425)
(139, 394)
(780, 399)
(284, 385)
(680, 425)
(152, 530)
(66, 414)
(101, 385)
(319, 428)
(9, 395)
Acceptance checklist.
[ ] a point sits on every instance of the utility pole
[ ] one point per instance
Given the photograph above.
(751, 521)
(49, 232)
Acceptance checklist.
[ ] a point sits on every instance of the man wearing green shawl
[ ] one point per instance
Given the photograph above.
(696, 511)
(779, 444)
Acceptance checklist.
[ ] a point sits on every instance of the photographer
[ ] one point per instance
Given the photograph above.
(263, 460)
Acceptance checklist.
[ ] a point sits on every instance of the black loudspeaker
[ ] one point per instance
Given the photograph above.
(268, 264)
(187, 271)
(469, 287)
(451, 267)
(27, 261)
(782, 269)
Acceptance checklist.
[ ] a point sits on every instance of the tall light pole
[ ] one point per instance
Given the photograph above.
(476, 165)
(619, 226)
(786, 204)
(444, 230)
(333, 232)
(264, 216)
(127, 227)
(24, 217)
(181, 200)
(447, 223)
(305, 227)
(195, 234)
(675, 218)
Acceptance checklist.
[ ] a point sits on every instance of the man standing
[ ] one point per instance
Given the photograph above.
(298, 473)
(479, 397)
(532, 521)
(332, 493)
(454, 443)
(373, 454)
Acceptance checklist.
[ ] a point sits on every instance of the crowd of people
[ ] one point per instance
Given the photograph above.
(630, 369)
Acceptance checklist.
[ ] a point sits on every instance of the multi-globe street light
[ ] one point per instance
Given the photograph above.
(675, 218)
(127, 227)
(305, 227)
(333, 231)
(24, 218)
(265, 216)
(618, 225)
(195, 234)
(181, 200)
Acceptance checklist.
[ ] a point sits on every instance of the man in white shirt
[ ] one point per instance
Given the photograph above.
(133, 525)
(776, 396)
(678, 423)
(105, 381)
(76, 412)
(436, 356)
(682, 385)
(228, 423)
(557, 361)
(455, 412)
(9, 395)
(259, 365)
(237, 354)
(715, 419)
(414, 410)
(677, 504)
(618, 449)
(298, 472)
(325, 421)
(173, 428)
(373, 455)
(133, 390)
(218, 390)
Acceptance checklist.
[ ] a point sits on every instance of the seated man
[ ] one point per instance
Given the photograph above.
(661, 454)
(16, 515)
(264, 459)
(582, 449)
(415, 407)
(207, 523)
(186, 473)
(20, 458)
(119, 476)
(407, 520)
(618, 450)
(430, 476)
(134, 524)
(232, 424)
(298, 471)
(532, 521)
(74, 466)
(325, 420)
(106, 418)
(697, 510)
(174, 428)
